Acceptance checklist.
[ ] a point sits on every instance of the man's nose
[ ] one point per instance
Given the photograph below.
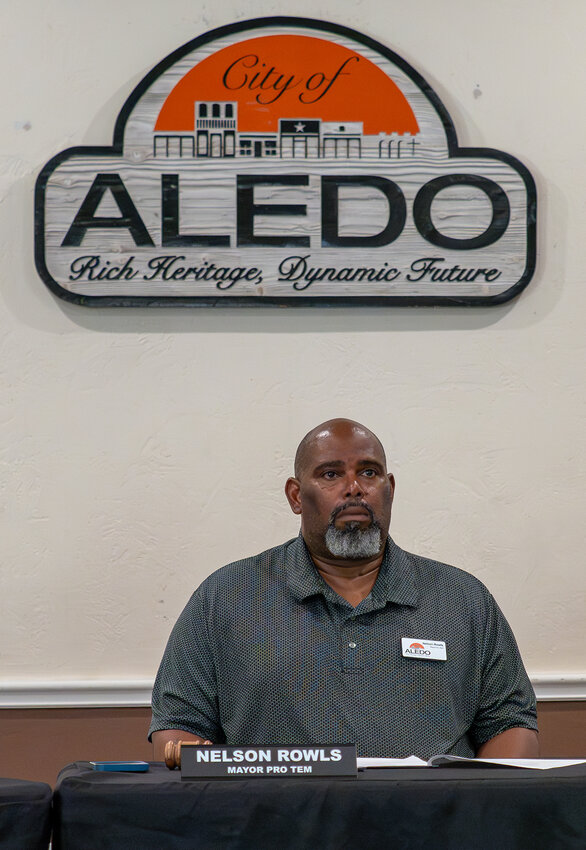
(353, 486)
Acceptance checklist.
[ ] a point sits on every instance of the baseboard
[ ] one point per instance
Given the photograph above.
(76, 694)
(570, 686)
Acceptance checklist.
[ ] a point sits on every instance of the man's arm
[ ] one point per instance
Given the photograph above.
(515, 743)
(163, 736)
(506, 700)
(184, 693)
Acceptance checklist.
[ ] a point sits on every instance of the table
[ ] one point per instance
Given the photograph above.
(25, 815)
(449, 808)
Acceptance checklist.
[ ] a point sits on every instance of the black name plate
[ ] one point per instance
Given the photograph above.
(205, 762)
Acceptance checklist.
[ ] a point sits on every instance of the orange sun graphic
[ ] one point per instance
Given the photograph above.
(290, 76)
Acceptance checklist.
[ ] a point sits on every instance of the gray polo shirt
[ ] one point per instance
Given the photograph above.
(265, 652)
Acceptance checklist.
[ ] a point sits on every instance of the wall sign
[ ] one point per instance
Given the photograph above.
(284, 161)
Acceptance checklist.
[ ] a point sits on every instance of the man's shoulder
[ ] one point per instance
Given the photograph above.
(431, 574)
(260, 566)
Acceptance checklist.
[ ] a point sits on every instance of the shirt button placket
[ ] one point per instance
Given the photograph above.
(349, 643)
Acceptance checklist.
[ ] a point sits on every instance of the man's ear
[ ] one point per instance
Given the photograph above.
(391, 478)
(292, 488)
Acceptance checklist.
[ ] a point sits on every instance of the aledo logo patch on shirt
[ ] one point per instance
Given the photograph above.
(425, 649)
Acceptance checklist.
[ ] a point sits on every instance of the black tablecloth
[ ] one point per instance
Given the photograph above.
(25, 815)
(441, 808)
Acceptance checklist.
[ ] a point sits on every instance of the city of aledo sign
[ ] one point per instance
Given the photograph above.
(284, 161)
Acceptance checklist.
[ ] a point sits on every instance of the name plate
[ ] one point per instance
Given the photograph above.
(205, 762)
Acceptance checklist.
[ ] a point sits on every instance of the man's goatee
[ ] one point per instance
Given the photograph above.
(353, 543)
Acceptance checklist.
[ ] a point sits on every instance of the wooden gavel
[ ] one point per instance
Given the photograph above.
(173, 751)
(173, 754)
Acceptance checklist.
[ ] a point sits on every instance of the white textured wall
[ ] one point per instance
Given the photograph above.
(141, 449)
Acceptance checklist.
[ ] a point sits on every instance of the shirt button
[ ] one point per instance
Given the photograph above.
(352, 645)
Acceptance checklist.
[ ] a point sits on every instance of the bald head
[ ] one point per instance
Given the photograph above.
(321, 433)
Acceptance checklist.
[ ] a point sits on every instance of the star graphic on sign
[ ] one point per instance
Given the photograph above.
(299, 128)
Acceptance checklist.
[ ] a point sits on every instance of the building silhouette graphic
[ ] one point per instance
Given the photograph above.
(216, 135)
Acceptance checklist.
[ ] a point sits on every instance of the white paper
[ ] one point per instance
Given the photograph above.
(410, 761)
(415, 761)
(534, 764)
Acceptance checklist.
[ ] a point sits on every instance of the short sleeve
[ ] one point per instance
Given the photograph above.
(185, 691)
(507, 699)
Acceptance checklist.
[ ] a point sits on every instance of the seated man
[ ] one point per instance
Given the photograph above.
(311, 642)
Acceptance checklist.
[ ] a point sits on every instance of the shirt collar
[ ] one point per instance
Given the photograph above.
(395, 581)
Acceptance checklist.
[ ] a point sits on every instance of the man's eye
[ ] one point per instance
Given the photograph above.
(329, 474)
(370, 473)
